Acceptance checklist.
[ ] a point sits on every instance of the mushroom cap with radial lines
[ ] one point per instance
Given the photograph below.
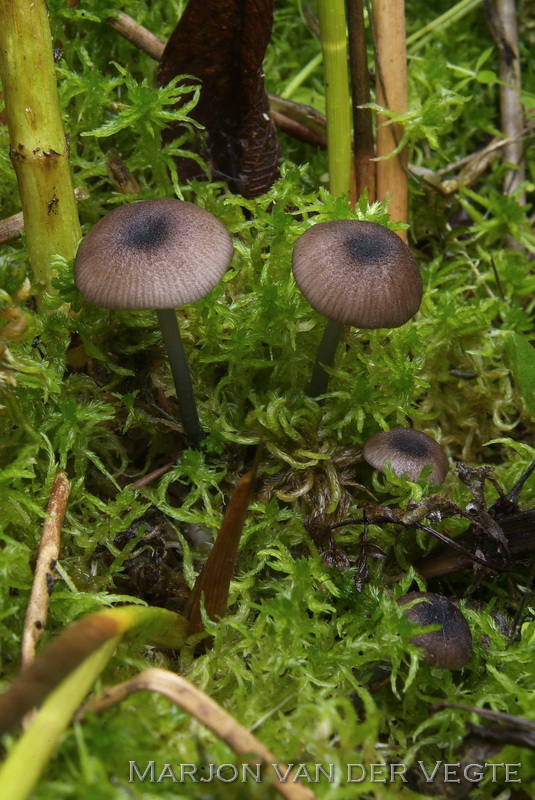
(153, 254)
(408, 451)
(358, 273)
(451, 646)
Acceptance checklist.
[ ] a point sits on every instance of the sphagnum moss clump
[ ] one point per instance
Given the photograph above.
(79, 394)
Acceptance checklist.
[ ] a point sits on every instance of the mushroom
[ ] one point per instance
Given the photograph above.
(408, 451)
(355, 273)
(156, 254)
(451, 646)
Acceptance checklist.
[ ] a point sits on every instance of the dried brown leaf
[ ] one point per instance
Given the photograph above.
(222, 43)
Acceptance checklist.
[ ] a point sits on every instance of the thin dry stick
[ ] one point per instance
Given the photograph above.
(297, 130)
(505, 31)
(37, 611)
(391, 93)
(209, 713)
(151, 476)
(138, 35)
(11, 227)
(363, 145)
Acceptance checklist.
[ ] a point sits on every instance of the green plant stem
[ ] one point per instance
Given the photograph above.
(181, 376)
(422, 36)
(301, 77)
(333, 34)
(28, 758)
(325, 355)
(39, 147)
(332, 20)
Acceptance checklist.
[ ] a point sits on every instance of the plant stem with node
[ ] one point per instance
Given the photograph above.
(332, 20)
(181, 376)
(333, 33)
(39, 146)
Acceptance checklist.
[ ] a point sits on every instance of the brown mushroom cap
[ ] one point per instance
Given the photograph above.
(450, 647)
(358, 273)
(408, 451)
(152, 254)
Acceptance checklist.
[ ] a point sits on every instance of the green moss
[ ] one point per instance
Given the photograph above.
(293, 658)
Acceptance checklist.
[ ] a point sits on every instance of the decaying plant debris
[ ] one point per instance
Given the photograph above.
(298, 636)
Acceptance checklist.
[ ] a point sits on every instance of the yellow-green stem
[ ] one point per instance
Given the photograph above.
(39, 146)
(332, 20)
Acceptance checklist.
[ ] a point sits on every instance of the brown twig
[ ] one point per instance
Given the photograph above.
(297, 130)
(209, 713)
(391, 93)
(138, 35)
(37, 611)
(363, 145)
(519, 530)
(151, 476)
(13, 226)
(504, 28)
(506, 730)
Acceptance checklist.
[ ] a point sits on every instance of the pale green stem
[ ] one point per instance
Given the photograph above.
(333, 33)
(39, 147)
(181, 376)
(420, 37)
(301, 77)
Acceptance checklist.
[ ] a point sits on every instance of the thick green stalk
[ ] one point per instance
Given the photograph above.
(39, 147)
(332, 20)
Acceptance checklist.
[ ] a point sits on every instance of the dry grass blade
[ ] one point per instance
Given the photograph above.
(504, 27)
(37, 611)
(209, 713)
(60, 658)
(391, 92)
(80, 641)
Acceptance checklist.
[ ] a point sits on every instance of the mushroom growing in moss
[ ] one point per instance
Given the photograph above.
(355, 273)
(409, 452)
(156, 254)
(451, 646)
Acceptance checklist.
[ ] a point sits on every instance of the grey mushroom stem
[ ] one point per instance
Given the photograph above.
(181, 376)
(325, 356)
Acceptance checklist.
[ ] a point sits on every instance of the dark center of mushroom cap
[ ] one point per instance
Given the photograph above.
(357, 273)
(408, 442)
(148, 233)
(367, 247)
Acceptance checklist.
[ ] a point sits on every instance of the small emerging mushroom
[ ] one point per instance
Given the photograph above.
(408, 451)
(451, 646)
(355, 273)
(156, 254)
